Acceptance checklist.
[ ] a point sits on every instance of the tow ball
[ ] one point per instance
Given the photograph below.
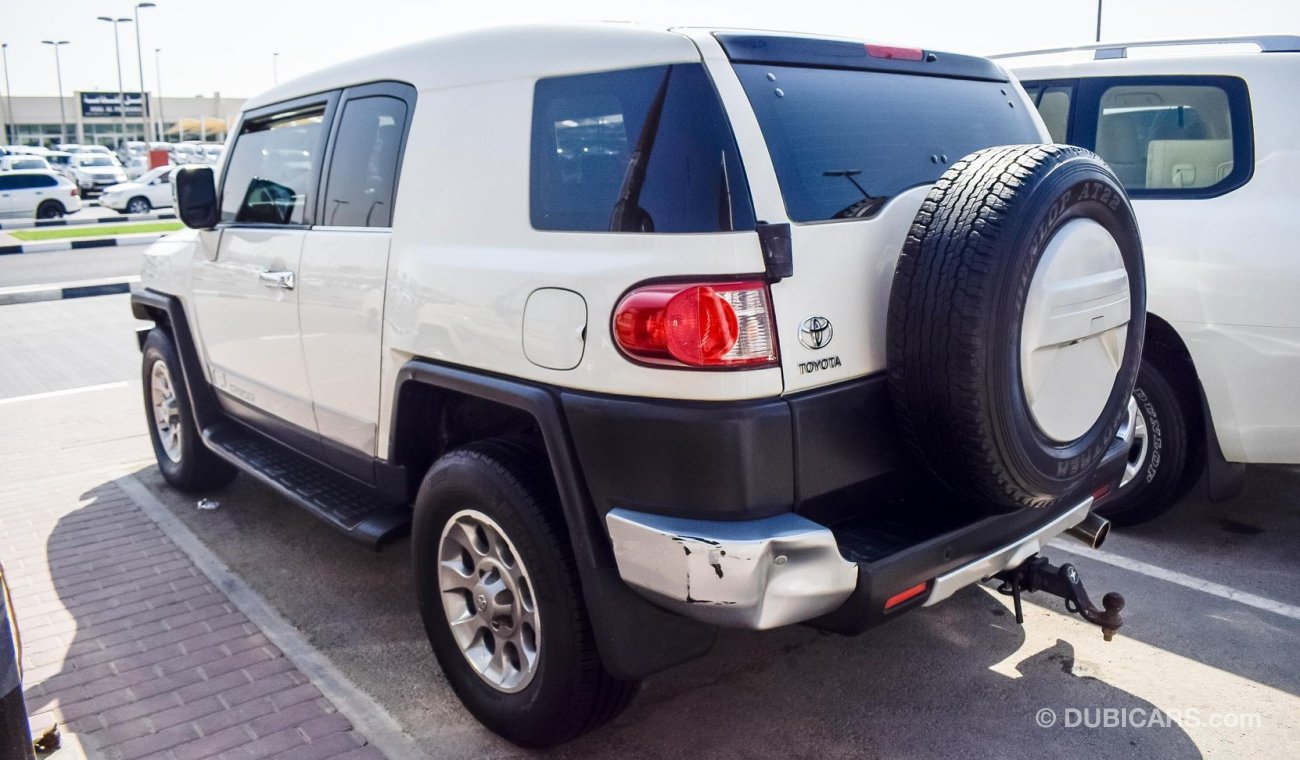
(1037, 574)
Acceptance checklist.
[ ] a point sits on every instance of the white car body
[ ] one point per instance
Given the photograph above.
(26, 202)
(1223, 270)
(24, 163)
(154, 187)
(94, 171)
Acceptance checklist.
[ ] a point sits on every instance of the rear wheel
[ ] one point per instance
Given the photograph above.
(138, 205)
(1157, 473)
(501, 599)
(50, 210)
(1015, 324)
(185, 462)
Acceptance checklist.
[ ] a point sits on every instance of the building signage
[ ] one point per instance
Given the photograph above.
(106, 104)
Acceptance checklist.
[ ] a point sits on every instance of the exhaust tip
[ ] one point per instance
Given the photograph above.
(1092, 531)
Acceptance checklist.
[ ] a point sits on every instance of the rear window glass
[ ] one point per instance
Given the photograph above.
(843, 142)
(640, 150)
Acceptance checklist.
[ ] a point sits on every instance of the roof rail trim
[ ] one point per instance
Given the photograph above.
(1268, 43)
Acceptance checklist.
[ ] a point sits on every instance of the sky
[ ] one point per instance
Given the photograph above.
(229, 46)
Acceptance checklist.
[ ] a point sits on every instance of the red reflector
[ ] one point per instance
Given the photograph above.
(903, 596)
(1101, 493)
(895, 53)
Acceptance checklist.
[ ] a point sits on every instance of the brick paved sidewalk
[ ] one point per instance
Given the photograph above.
(127, 644)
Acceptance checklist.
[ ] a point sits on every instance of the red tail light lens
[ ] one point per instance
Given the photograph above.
(895, 53)
(698, 325)
(75, 192)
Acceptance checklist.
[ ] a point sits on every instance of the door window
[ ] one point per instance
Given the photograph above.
(364, 163)
(1166, 137)
(270, 171)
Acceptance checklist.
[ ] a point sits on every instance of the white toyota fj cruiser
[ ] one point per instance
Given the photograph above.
(614, 320)
(1202, 134)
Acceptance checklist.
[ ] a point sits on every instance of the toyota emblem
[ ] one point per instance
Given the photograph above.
(816, 332)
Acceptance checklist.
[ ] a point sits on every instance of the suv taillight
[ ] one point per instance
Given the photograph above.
(724, 324)
(75, 192)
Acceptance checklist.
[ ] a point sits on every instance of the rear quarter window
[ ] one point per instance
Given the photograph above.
(639, 150)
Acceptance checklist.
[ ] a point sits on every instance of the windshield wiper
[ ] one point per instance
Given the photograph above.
(628, 215)
(869, 204)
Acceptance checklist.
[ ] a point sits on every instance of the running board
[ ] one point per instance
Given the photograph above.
(335, 498)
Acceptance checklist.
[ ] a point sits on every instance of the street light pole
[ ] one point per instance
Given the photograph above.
(139, 62)
(162, 116)
(11, 132)
(58, 72)
(1099, 20)
(121, 94)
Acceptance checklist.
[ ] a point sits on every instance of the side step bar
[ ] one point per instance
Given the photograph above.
(330, 496)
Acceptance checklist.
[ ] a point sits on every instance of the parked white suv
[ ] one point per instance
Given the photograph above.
(93, 171)
(37, 194)
(1203, 135)
(645, 332)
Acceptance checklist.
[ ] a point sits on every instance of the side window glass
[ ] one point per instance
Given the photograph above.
(1054, 107)
(641, 150)
(269, 173)
(1166, 137)
(8, 183)
(363, 167)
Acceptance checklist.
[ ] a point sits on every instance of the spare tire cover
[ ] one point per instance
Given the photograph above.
(1015, 324)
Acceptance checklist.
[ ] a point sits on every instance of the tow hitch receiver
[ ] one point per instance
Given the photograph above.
(1037, 574)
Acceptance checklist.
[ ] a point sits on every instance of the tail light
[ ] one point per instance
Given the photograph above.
(75, 192)
(720, 325)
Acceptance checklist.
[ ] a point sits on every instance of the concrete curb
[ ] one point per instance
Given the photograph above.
(61, 290)
(28, 224)
(76, 245)
(379, 727)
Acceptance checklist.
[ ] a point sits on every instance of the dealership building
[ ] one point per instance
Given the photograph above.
(98, 118)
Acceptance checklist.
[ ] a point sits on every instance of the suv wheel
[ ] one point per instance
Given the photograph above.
(1016, 322)
(50, 210)
(501, 600)
(138, 205)
(1157, 473)
(185, 462)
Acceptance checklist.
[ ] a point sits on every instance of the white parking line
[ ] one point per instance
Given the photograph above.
(1187, 581)
(65, 392)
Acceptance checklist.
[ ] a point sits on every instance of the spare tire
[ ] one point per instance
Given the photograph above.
(1015, 324)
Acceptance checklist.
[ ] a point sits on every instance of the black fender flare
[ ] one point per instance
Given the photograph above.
(635, 638)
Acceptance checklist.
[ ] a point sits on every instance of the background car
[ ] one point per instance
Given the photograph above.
(93, 171)
(24, 163)
(1202, 135)
(39, 194)
(152, 190)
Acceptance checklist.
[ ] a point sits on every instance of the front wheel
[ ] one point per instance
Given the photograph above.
(1156, 473)
(186, 463)
(500, 597)
(138, 205)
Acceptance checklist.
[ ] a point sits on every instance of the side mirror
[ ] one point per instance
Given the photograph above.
(195, 191)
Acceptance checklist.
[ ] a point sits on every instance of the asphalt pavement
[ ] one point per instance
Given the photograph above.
(1206, 664)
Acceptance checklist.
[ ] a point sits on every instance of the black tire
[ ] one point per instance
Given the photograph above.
(138, 205)
(570, 692)
(955, 315)
(1165, 466)
(51, 210)
(194, 467)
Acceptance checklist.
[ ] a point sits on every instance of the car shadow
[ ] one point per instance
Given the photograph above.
(920, 686)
